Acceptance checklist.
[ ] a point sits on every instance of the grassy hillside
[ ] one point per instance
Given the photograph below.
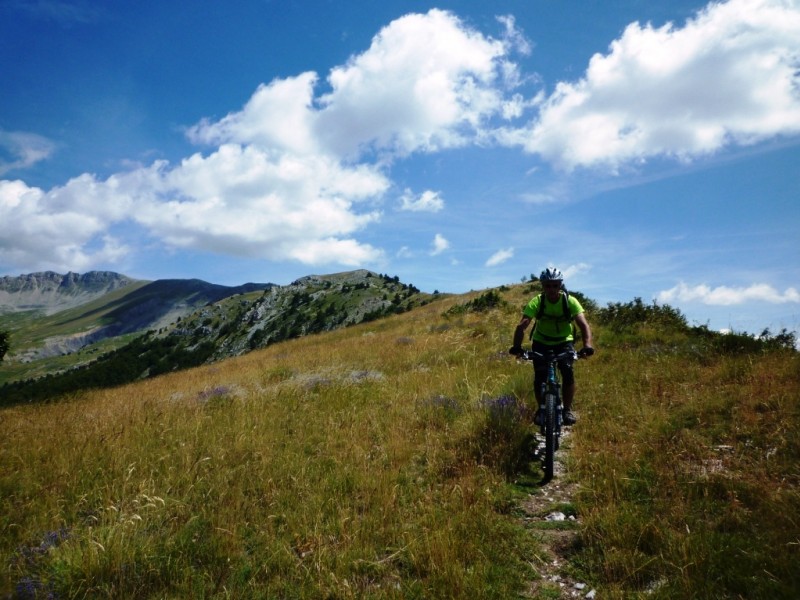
(231, 326)
(387, 460)
(46, 343)
(31, 329)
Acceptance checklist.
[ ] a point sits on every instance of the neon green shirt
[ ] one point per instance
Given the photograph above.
(554, 327)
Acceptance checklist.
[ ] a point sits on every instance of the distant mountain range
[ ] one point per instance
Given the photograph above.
(50, 314)
(60, 323)
(51, 292)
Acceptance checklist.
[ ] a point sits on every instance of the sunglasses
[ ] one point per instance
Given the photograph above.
(552, 285)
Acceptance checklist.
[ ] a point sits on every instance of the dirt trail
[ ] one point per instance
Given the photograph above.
(549, 515)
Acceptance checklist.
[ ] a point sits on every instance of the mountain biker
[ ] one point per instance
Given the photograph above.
(552, 313)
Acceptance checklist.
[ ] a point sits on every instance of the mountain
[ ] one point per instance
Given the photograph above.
(166, 325)
(51, 315)
(311, 304)
(51, 292)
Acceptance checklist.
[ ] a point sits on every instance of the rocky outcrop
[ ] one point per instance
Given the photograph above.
(51, 292)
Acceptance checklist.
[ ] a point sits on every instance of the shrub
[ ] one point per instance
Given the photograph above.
(506, 440)
(626, 317)
(484, 302)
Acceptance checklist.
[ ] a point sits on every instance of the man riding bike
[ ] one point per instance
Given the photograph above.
(552, 313)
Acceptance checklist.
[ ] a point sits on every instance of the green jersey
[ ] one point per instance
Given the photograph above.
(553, 324)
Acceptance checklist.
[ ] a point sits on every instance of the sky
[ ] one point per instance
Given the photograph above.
(646, 149)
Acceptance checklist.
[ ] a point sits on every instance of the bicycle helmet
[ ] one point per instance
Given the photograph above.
(551, 274)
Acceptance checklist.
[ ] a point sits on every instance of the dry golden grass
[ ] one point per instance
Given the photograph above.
(363, 463)
(326, 466)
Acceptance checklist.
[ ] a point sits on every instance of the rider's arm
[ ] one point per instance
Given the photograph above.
(586, 331)
(519, 332)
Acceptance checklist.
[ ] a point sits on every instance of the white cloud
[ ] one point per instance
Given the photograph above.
(726, 296)
(277, 117)
(513, 37)
(282, 180)
(244, 202)
(440, 244)
(500, 257)
(540, 198)
(236, 201)
(574, 270)
(427, 201)
(427, 82)
(41, 231)
(729, 76)
(292, 175)
(25, 149)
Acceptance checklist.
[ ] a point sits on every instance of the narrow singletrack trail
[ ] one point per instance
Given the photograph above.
(548, 513)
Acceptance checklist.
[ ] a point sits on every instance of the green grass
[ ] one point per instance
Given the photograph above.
(690, 474)
(387, 460)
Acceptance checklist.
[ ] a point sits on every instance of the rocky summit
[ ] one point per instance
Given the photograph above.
(52, 292)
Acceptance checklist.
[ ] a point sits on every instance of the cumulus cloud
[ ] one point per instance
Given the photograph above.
(440, 244)
(42, 231)
(278, 116)
(428, 201)
(729, 76)
(726, 296)
(242, 201)
(500, 257)
(426, 83)
(292, 175)
(298, 172)
(23, 149)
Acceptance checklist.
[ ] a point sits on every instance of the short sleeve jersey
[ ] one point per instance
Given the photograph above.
(554, 327)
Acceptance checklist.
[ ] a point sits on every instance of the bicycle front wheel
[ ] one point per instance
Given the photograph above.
(550, 436)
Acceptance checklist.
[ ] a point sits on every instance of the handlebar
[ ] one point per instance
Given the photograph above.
(551, 356)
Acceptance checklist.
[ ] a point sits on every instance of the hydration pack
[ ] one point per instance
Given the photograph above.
(565, 317)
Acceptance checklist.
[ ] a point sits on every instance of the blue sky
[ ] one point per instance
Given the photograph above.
(646, 149)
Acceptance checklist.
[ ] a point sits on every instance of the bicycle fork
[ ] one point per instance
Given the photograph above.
(552, 387)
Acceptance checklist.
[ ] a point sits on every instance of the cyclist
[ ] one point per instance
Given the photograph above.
(552, 313)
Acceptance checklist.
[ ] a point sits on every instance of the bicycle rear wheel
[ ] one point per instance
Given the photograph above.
(550, 436)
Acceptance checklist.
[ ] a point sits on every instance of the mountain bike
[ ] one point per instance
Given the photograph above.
(551, 408)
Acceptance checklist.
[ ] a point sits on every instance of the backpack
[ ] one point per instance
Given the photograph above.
(564, 308)
(565, 314)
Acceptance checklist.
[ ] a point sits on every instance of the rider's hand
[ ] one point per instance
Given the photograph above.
(516, 350)
(586, 352)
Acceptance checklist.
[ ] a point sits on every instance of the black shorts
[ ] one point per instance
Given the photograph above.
(565, 365)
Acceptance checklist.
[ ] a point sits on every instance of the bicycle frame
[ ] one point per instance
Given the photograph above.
(550, 407)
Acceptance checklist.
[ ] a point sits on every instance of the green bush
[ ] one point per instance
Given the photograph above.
(626, 317)
(484, 302)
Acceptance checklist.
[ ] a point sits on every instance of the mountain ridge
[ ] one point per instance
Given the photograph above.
(50, 314)
(51, 292)
(191, 321)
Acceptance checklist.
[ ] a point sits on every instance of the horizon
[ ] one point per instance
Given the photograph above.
(659, 146)
(753, 334)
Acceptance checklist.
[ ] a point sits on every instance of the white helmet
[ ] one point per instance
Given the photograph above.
(551, 274)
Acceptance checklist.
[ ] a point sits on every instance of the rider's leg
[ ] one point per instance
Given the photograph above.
(568, 387)
(569, 395)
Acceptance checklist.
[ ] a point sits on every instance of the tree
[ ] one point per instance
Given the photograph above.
(3, 344)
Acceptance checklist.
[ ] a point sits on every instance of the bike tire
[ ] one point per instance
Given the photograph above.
(550, 435)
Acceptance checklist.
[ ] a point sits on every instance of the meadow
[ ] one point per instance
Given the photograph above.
(388, 460)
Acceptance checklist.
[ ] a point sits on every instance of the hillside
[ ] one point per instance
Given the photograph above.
(105, 311)
(392, 459)
(225, 324)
